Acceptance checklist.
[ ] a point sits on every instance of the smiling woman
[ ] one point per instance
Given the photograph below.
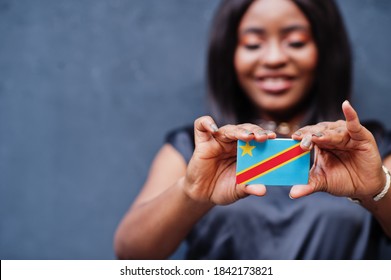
(276, 58)
(269, 61)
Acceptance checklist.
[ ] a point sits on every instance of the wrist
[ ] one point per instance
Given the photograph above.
(192, 194)
(383, 190)
(386, 187)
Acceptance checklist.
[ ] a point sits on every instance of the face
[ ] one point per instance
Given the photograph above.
(276, 56)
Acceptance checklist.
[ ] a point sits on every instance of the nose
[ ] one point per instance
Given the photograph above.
(274, 56)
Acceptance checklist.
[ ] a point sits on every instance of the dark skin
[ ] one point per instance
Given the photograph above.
(346, 155)
(275, 68)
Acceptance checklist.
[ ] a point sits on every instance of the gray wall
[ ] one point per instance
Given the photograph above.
(87, 91)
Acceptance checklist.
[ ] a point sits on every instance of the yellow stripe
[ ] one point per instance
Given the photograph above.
(274, 168)
(269, 158)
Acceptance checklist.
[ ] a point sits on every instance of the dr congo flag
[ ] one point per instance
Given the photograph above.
(275, 162)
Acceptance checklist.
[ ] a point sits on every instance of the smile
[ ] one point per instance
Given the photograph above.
(274, 84)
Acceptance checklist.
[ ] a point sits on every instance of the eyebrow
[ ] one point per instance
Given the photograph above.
(295, 27)
(253, 30)
(285, 30)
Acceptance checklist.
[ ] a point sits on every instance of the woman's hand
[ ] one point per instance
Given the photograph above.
(347, 161)
(211, 173)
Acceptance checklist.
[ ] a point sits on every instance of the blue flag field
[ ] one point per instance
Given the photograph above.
(275, 162)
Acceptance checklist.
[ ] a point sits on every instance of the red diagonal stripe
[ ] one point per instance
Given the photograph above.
(269, 164)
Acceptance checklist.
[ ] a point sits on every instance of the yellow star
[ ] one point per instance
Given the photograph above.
(247, 149)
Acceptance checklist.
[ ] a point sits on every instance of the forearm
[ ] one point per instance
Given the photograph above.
(154, 229)
(381, 210)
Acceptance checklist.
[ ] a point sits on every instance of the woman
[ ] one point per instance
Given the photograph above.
(274, 66)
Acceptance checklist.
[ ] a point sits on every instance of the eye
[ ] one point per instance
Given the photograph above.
(250, 41)
(252, 46)
(297, 44)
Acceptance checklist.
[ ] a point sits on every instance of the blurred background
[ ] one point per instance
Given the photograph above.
(88, 90)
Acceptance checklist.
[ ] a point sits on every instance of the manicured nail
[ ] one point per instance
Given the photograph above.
(306, 142)
(214, 127)
(318, 134)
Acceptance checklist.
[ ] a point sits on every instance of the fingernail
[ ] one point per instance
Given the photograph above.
(306, 142)
(298, 133)
(261, 132)
(214, 127)
(290, 196)
(248, 132)
(269, 131)
(318, 134)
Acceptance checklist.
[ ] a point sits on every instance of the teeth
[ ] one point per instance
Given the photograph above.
(275, 83)
(275, 79)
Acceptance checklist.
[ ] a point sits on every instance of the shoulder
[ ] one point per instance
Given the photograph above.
(182, 139)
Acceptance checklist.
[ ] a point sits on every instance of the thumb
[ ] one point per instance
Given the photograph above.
(298, 191)
(355, 129)
(243, 190)
(257, 189)
(315, 184)
(204, 127)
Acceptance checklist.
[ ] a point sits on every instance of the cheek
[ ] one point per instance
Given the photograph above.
(308, 60)
(244, 62)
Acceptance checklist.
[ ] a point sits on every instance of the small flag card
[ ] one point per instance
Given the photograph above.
(275, 162)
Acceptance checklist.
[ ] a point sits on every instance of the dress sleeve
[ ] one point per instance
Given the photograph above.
(182, 140)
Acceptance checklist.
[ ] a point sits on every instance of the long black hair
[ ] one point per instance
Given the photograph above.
(333, 75)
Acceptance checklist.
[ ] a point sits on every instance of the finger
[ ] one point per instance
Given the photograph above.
(332, 138)
(260, 134)
(306, 134)
(229, 133)
(256, 189)
(306, 143)
(298, 191)
(325, 134)
(314, 129)
(316, 183)
(355, 129)
(244, 132)
(204, 128)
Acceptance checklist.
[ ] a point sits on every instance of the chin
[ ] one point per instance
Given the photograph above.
(276, 106)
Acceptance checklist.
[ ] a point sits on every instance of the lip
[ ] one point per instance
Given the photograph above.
(274, 84)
